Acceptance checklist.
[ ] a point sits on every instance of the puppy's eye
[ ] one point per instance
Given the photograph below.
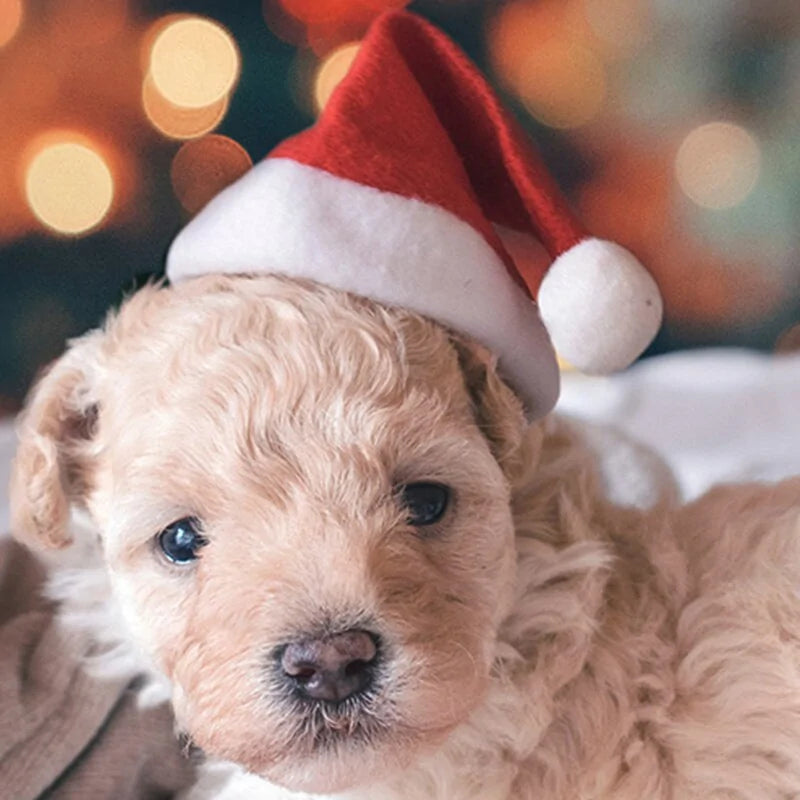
(425, 503)
(181, 540)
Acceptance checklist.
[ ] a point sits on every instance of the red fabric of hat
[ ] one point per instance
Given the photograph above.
(416, 118)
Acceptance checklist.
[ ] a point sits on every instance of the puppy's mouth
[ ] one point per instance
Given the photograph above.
(323, 725)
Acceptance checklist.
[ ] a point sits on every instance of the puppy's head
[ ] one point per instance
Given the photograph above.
(303, 506)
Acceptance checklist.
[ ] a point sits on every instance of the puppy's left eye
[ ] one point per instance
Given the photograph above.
(425, 503)
(181, 540)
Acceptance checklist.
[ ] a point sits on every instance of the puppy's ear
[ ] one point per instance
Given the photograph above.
(498, 411)
(54, 441)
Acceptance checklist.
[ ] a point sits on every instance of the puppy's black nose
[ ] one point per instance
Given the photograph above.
(331, 668)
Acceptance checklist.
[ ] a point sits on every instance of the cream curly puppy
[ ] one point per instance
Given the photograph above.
(326, 532)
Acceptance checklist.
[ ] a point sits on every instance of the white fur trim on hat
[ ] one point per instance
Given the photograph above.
(600, 305)
(287, 218)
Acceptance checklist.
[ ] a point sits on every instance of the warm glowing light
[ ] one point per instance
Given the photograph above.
(544, 51)
(153, 31)
(520, 27)
(331, 71)
(622, 25)
(718, 165)
(194, 62)
(178, 122)
(38, 89)
(517, 28)
(316, 11)
(10, 19)
(69, 187)
(204, 167)
(563, 85)
(85, 23)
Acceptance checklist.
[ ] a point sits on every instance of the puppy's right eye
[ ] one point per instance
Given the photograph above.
(425, 503)
(181, 540)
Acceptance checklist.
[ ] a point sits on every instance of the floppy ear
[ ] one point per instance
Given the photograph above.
(51, 466)
(498, 411)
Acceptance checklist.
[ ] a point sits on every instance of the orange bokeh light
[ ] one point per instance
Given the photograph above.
(204, 167)
(630, 199)
(152, 32)
(194, 62)
(621, 26)
(177, 122)
(564, 84)
(631, 202)
(315, 11)
(73, 68)
(521, 27)
(543, 52)
(42, 79)
(718, 164)
(86, 23)
(323, 25)
(68, 183)
(331, 71)
(15, 216)
(10, 19)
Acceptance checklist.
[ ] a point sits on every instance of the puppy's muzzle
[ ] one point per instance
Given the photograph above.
(331, 668)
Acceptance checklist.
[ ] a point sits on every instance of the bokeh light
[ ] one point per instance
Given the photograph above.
(179, 122)
(622, 26)
(316, 11)
(323, 25)
(331, 71)
(40, 87)
(68, 186)
(194, 62)
(564, 84)
(718, 164)
(518, 28)
(204, 167)
(543, 52)
(10, 19)
(86, 23)
(154, 29)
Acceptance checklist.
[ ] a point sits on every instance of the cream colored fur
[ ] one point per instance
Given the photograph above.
(546, 644)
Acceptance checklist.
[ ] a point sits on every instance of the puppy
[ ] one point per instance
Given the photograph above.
(323, 529)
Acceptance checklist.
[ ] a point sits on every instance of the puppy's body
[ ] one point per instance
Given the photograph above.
(538, 643)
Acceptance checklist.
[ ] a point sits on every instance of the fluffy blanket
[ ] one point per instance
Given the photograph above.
(63, 734)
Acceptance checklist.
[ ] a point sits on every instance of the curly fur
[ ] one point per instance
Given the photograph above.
(545, 643)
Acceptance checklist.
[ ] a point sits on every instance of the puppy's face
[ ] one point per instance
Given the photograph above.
(307, 530)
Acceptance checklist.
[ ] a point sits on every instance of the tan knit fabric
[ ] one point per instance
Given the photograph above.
(63, 734)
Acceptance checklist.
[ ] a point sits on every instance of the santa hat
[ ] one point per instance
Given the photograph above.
(395, 193)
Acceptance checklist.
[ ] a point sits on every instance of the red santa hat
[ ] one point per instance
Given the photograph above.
(395, 193)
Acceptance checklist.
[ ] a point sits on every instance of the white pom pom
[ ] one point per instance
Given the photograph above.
(600, 305)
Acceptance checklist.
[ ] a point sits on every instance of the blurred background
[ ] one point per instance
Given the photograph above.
(673, 126)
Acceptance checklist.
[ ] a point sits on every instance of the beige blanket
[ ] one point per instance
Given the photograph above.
(63, 734)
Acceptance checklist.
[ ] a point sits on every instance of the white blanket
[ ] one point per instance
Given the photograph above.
(714, 415)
